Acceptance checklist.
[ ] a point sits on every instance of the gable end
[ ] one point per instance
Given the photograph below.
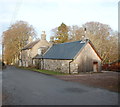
(92, 48)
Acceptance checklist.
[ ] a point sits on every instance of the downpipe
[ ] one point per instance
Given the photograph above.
(69, 67)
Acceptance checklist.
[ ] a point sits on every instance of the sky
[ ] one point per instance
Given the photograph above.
(44, 15)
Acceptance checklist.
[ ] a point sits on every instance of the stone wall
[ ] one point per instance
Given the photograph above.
(26, 59)
(73, 67)
(57, 65)
(60, 65)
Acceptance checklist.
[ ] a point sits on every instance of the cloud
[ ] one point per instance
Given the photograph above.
(50, 13)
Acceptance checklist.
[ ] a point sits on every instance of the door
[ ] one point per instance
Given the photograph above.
(95, 66)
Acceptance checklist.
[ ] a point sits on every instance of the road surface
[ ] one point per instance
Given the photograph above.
(0, 87)
(24, 87)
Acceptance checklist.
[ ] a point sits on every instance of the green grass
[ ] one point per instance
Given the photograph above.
(45, 71)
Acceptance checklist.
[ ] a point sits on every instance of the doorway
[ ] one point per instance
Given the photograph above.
(95, 66)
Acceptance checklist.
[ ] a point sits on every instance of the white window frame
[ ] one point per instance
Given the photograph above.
(39, 51)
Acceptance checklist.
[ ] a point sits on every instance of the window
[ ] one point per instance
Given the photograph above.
(39, 51)
(28, 53)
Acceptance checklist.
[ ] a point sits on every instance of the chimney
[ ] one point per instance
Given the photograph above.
(30, 39)
(43, 35)
(52, 39)
(84, 38)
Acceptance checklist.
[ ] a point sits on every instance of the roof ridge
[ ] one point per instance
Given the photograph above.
(29, 45)
(33, 41)
(67, 42)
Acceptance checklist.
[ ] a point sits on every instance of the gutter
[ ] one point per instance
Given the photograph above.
(69, 66)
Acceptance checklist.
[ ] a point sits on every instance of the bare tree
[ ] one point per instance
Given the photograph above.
(15, 38)
(101, 35)
(104, 39)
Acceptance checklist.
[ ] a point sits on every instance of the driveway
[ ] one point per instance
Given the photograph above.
(106, 79)
(25, 87)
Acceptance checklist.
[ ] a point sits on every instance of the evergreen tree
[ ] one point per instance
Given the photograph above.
(61, 34)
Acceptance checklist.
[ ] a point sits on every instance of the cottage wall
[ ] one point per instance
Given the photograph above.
(60, 65)
(34, 50)
(57, 65)
(28, 54)
(26, 58)
(86, 58)
(73, 67)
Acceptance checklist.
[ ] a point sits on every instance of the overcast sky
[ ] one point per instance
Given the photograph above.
(48, 14)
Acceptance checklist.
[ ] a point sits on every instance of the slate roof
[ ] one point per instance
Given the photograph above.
(64, 50)
(30, 45)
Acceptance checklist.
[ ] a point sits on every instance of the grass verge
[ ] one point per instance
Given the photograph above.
(45, 71)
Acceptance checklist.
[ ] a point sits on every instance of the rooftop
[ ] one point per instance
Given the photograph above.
(30, 45)
(64, 50)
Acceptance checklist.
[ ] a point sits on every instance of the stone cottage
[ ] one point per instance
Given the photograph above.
(71, 57)
(32, 49)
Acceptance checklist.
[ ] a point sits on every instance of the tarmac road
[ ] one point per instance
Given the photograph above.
(24, 87)
(0, 88)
